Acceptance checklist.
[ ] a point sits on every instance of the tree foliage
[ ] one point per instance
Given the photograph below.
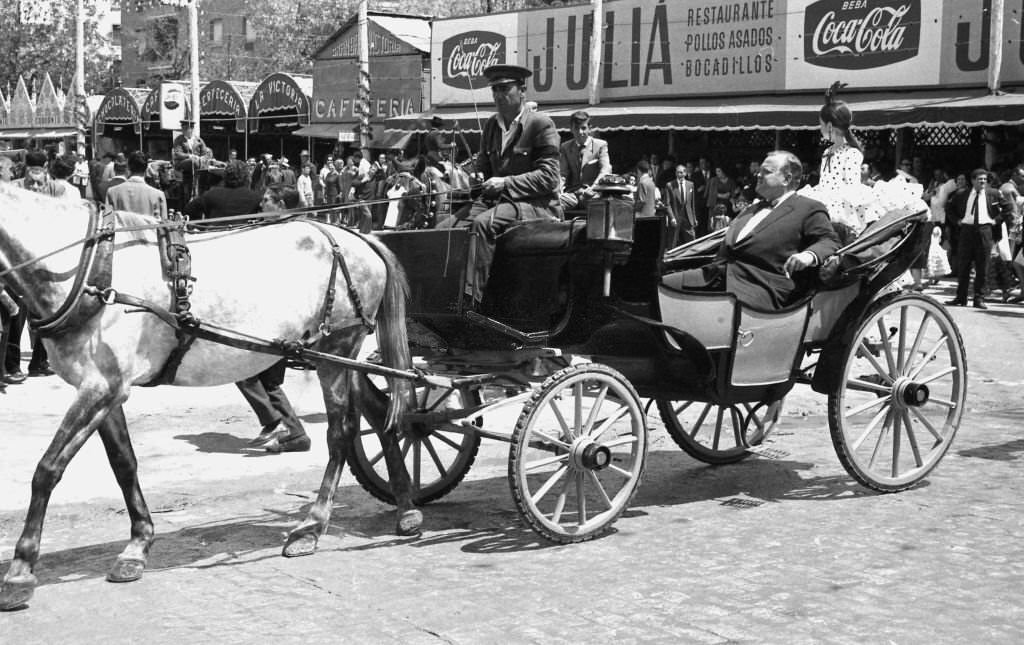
(289, 32)
(31, 50)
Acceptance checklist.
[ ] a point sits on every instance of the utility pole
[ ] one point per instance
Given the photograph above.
(193, 37)
(363, 91)
(596, 51)
(79, 75)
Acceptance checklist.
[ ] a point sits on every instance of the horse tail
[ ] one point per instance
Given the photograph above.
(392, 335)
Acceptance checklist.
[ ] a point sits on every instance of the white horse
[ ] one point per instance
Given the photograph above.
(268, 282)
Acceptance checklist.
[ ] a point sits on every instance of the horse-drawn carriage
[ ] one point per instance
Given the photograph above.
(577, 326)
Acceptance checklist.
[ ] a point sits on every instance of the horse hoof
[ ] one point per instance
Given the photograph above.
(299, 546)
(17, 591)
(409, 523)
(126, 570)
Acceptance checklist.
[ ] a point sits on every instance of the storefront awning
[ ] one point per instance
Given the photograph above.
(469, 119)
(334, 131)
(281, 95)
(14, 134)
(226, 100)
(872, 111)
(38, 133)
(392, 140)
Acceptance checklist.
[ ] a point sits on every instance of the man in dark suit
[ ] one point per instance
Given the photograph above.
(234, 197)
(519, 162)
(978, 212)
(582, 160)
(769, 242)
(679, 199)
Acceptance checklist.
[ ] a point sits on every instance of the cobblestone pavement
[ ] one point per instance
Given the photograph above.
(787, 550)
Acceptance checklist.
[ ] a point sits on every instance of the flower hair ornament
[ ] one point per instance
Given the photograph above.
(832, 93)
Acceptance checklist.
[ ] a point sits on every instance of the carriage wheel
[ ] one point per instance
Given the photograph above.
(577, 453)
(899, 404)
(717, 434)
(437, 458)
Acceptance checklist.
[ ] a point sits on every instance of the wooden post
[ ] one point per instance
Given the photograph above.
(596, 52)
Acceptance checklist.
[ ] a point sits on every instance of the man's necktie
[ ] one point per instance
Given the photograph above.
(974, 208)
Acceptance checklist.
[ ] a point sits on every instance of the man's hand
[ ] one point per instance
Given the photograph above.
(494, 186)
(799, 262)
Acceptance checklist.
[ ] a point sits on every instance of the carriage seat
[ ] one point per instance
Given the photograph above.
(542, 237)
(765, 345)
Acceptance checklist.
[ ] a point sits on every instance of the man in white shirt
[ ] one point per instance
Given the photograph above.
(979, 212)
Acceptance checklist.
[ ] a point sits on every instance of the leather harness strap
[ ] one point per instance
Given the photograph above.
(176, 263)
(338, 262)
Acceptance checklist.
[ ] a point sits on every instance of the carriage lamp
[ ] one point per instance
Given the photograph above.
(610, 222)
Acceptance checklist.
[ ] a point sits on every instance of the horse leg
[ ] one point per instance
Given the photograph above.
(337, 390)
(132, 561)
(373, 406)
(85, 413)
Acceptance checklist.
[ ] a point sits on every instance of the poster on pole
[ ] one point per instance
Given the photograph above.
(172, 105)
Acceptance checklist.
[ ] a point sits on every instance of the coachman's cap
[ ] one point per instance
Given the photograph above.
(498, 74)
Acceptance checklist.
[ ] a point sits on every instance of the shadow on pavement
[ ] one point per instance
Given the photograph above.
(222, 442)
(478, 517)
(1008, 451)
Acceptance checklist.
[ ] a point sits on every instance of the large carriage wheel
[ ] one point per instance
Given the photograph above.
(437, 458)
(577, 453)
(717, 434)
(904, 382)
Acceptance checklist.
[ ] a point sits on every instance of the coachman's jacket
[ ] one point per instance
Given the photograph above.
(529, 162)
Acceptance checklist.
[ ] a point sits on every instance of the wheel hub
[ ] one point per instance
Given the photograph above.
(910, 393)
(589, 455)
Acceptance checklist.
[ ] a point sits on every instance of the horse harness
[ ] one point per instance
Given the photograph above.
(95, 274)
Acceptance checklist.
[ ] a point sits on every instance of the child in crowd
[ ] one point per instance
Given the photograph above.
(938, 262)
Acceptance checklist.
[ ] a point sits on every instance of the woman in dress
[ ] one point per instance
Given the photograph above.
(852, 204)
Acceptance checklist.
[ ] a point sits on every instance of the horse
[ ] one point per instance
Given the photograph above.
(268, 281)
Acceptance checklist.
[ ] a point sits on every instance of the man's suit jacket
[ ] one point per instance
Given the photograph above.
(583, 166)
(754, 267)
(679, 199)
(529, 163)
(998, 207)
(136, 196)
(646, 199)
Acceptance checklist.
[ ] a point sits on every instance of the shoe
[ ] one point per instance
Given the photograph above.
(980, 304)
(41, 371)
(1019, 298)
(14, 378)
(956, 303)
(1006, 295)
(300, 443)
(268, 432)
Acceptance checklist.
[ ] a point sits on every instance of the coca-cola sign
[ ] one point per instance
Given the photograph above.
(861, 34)
(465, 56)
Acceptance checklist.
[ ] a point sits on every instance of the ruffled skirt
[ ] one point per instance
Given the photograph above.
(857, 205)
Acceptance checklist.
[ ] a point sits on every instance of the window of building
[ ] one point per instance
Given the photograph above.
(250, 34)
(217, 31)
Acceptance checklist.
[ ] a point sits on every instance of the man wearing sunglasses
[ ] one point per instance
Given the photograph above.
(519, 163)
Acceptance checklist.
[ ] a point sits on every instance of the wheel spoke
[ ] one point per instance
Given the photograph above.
(682, 408)
(737, 426)
(929, 356)
(595, 408)
(621, 441)
(918, 339)
(566, 433)
(552, 480)
(367, 431)
(928, 425)
(600, 489)
(897, 421)
(718, 428)
(622, 471)
(547, 461)
(445, 440)
(433, 456)
(556, 515)
(867, 386)
(881, 437)
(405, 448)
(552, 440)
(577, 409)
(605, 424)
(866, 353)
(581, 500)
(377, 457)
(864, 407)
(934, 377)
(902, 342)
(946, 403)
(912, 439)
(884, 340)
(882, 414)
(700, 420)
(417, 455)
